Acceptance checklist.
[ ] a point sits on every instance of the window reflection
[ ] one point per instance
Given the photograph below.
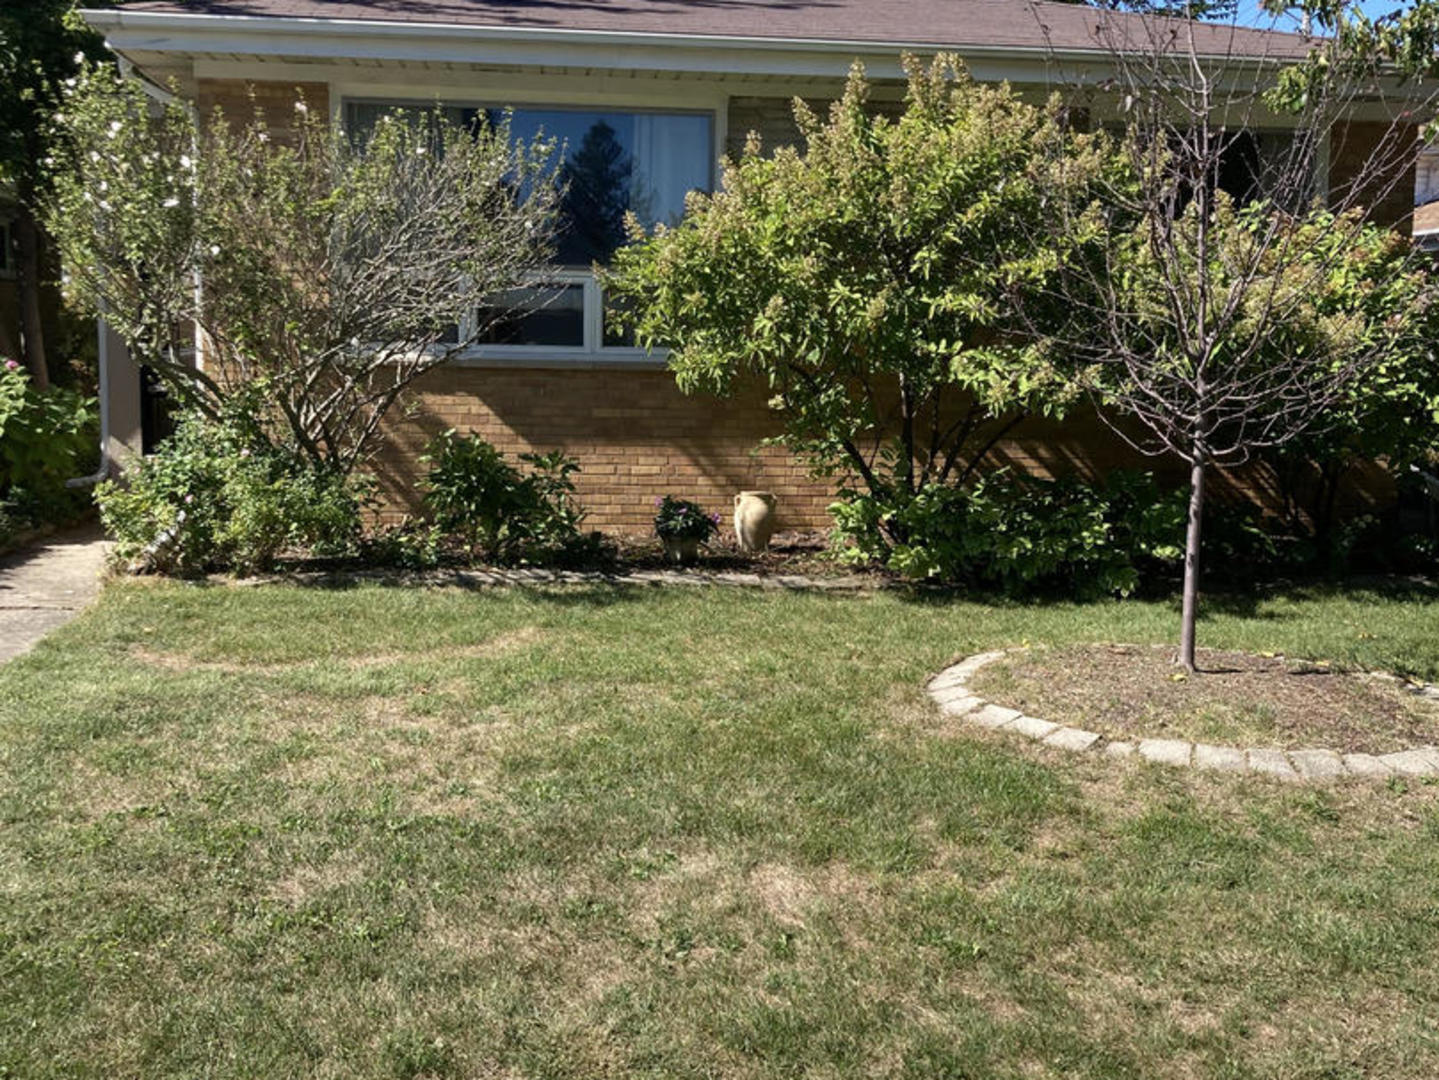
(611, 163)
(541, 316)
(614, 162)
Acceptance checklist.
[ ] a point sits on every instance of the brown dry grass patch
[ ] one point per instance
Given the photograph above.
(500, 645)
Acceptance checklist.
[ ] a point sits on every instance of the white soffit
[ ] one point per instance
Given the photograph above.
(259, 39)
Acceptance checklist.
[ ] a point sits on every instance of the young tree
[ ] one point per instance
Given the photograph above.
(1232, 303)
(42, 43)
(867, 278)
(330, 273)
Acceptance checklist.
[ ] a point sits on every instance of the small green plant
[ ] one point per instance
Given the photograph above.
(217, 496)
(498, 512)
(409, 545)
(680, 519)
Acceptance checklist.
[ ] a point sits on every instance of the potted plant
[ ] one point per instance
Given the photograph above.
(683, 526)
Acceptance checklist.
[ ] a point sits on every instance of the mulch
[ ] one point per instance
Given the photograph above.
(1135, 691)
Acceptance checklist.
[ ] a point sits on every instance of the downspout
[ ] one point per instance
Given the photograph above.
(103, 470)
(1430, 481)
(1431, 492)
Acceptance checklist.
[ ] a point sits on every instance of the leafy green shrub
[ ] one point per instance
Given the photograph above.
(216, 495)
(495, 510)
(45, 439)
(1019, 533)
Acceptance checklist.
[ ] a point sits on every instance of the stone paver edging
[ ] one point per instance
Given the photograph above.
(950, 690)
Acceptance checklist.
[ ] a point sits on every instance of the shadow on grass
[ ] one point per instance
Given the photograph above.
(561, 594)
(1226, 598)
(1238, 600)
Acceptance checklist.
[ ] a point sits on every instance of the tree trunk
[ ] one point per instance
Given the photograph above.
(1330, 474)
(7, 345)
(1190, 607)
(32, 331)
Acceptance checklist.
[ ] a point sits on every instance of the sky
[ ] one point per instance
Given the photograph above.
(1252, 14)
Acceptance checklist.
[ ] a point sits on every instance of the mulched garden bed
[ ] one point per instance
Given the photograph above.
(792, 554)
(1237, 699)
(805, 553)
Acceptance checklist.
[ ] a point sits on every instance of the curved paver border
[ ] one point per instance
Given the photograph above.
(950, 690)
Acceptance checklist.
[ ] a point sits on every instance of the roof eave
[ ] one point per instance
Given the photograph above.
(337, 39)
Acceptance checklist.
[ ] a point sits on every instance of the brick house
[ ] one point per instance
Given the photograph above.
(677, 83)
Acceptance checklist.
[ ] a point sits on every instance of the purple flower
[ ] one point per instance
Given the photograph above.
(189, 499)
(11, 365)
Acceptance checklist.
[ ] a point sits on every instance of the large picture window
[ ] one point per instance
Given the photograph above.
(612, 162)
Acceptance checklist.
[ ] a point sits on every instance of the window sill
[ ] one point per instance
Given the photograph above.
(558, 359)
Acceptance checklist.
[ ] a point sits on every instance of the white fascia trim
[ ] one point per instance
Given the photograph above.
(149, 21)
(323, 38)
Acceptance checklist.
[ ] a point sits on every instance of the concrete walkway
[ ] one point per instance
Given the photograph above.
(45, 585)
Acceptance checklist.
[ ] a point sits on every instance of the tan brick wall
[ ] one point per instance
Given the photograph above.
(635, 435)
(1354, 148)
(637, 438)
(241, 99)
(772, 119)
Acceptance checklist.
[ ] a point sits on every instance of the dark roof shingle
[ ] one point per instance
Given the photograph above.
(1024, 24)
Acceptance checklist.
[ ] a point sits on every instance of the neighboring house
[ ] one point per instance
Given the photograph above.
(674, 85)
(1425, 224)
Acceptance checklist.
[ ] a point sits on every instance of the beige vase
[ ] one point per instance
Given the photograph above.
(754, 519)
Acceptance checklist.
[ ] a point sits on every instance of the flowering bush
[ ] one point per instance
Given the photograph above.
(679, 519)
(401, 236)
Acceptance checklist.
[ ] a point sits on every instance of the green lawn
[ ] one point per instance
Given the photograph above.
(275, 832)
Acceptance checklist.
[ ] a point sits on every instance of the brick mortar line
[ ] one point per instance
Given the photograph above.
(950, 691)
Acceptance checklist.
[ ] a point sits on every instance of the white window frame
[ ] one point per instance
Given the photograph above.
(593, 352)
(592, 334)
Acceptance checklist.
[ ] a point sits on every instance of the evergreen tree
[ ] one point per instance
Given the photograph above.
(1205, 10)
(597, 179)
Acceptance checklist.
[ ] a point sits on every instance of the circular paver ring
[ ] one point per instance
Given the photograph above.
(950, 691)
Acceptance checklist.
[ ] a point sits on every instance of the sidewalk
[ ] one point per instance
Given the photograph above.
(44, 586)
